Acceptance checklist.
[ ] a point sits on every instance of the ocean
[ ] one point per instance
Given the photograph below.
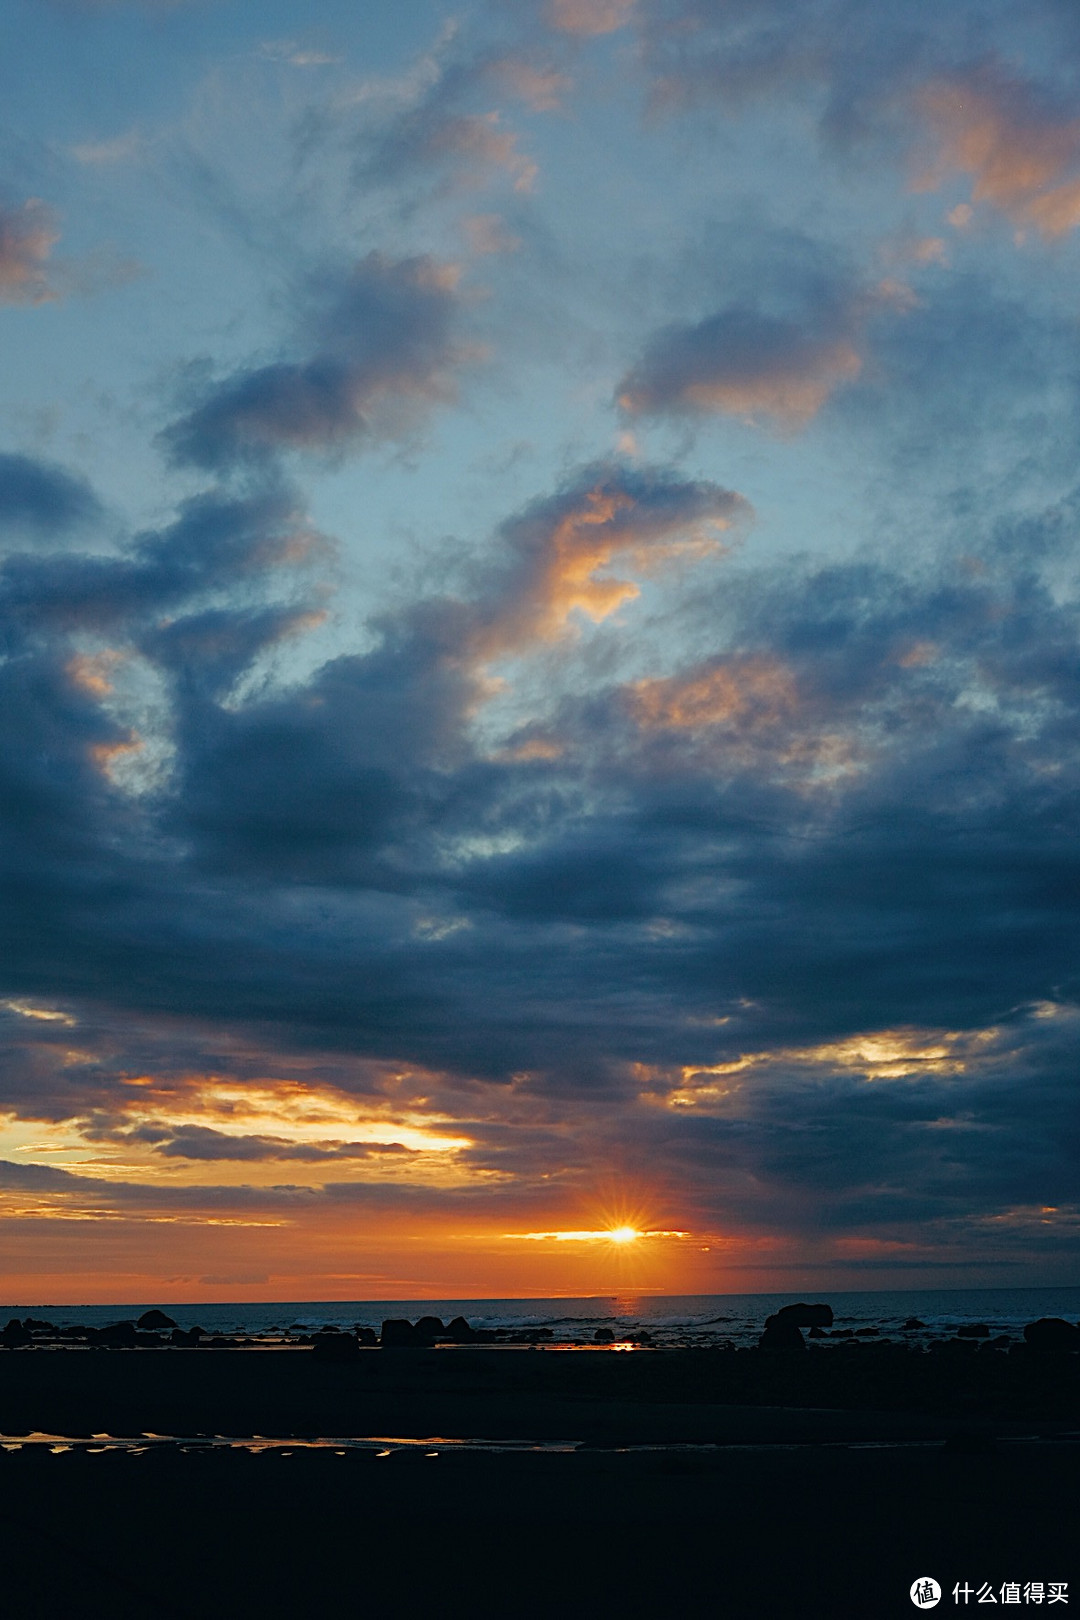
(671, 1320)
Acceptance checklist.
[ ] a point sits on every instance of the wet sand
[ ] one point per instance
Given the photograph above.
(791, 1507)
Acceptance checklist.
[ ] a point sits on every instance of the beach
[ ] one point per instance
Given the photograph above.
(486, 1479)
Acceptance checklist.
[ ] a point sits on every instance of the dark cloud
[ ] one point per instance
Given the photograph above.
(744, 363)
(41, 498)
(650, 930)
(201, 1142)
(384, 351)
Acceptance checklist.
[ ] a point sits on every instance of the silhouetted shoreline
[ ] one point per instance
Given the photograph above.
(848, 1468)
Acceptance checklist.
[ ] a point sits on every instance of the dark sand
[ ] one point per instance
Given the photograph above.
(796, 1512)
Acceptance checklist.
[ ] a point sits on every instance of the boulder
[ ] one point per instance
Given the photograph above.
(15, 1335)
(34, 1324)
(334, 1346)
(429, 1328)
(805, 1316)
(366, 1336)
(781, 1334)
(974, 1330)
(149, 1321)
(603, 1336)
(818, 1333)
(398, 1334)
(120, 1335)
(867, 1333)
(187, 1340)
(911, 1324)
(459, 1332)
(1052, 1333)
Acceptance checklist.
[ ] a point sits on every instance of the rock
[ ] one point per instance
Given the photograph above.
(781, 1334)
(120, 1335)
(867, 1333)
(973, 1330)
(429, 1328)
(34, 1324)
(842, 1333)
(334, 1346)
(15, 1335)
(1052, 1333)
(603, 1336)
(911, 1324)
(805, 1316)
(186, 1340)
(459, 1332)
(398, 1334)
(151, 1320)
(148, 1341)
(366, 1336)
(818, 1333)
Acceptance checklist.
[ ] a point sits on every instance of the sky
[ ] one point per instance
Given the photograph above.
(539, 658)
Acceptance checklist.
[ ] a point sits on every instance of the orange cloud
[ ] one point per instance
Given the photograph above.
(1023, 157)
(564, 551)
(27, 237)
(590, 17)
(738, 690)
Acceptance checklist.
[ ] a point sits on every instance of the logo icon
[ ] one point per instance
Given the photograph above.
(925, 1592)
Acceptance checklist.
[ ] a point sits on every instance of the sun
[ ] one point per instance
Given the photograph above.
(623, 1234)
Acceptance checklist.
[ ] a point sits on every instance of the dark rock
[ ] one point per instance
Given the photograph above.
(1052, 1333)
(781, 1334)
(818, 1333)
(367, 1336)
(911, 1324)
(34, 1324)
(399, 1334)
(120, 1335)
(805, 1316)
(867, 1333)
(150, 1320)
(842, 1333)
(603, 1336)
(333, 1346)
(974, 1330)
(952, 1346)
(459, 1332)
(148, 1341)
(429, 1328)
(188, 1338)
(15, 1335)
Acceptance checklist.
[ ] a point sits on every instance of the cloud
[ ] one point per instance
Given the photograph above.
(1020, 147)
(740, 362)
(557, 550)
(28, 235)
(765, 916)
(448, 127)
(41, 498)
(101, 154)
(384, 353)
(588, 18)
